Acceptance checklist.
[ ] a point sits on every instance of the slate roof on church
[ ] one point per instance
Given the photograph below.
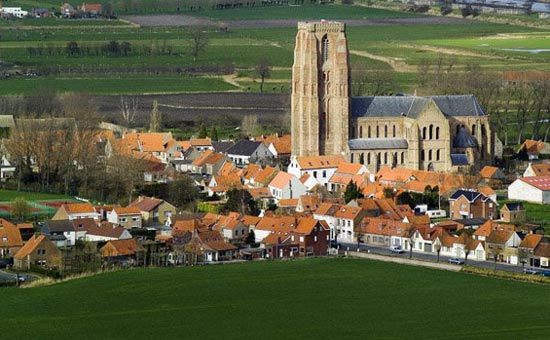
(463, 139)
(412, 106)
(459, 159)
(378, 143)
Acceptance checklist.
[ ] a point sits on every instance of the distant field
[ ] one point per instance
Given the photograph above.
(302, 299)
(54, 22)
(125, 84)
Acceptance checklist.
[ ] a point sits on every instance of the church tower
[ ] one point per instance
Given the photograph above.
(320, 100)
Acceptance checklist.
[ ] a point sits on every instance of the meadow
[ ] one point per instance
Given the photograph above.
(302, 299)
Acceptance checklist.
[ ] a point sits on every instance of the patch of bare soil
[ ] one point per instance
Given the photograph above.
(452, 51)
(187, 20)
(396, 64)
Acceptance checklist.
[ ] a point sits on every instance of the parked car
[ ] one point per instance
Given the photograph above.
(531, 271)
(6, 263)
(397, 249)
(545, 273)
(455, 260)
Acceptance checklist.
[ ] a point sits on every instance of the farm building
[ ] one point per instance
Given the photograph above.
(530, 189)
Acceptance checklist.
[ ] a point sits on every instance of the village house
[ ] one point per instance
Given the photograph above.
(321, 168)
(66, 232)
(347, 218)
(211, 246)
(312, 236)
(128, 252)
(10, 238)
(513, 212)
(286, 186)
(129, 217)
(527, 247)
(263, 177)
(209, 162)
(540, 169)
(346, 173)
(38, 251)
(154, 211)
(533, 150)
(247, 151)
(73, 211)
(232, 228)
(201, 144)
(106, 231)
(502, 246)
(542, 255)
(471, 204)
(534, 189)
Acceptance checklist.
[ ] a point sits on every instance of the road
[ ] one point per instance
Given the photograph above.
(430, 257)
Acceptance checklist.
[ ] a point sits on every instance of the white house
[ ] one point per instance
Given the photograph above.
(246, 150)
(530, 189)
(106, 232)
(320, 168)
(347, 217)
(326, 212)
(15, 11)
(285, 185)
(128, 218)
(7, 170)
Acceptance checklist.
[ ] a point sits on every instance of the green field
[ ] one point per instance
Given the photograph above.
(8, 195)
(306, 299)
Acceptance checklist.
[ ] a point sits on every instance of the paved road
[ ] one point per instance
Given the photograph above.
(430, 257)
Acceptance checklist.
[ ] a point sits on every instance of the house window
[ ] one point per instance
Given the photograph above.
(301, 239)
(315, 174)
(315, 238)
(135, 219)
(324, 173)
(123, 219)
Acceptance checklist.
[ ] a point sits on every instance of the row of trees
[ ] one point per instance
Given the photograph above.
(514, 104)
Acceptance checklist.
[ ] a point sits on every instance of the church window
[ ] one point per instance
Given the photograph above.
(422, 155)
(325, 48)
(368, 132)
(368, 158)
(473, 130)
(438, 155)
(385, 158)
(483, 129)
(424, 132)
(430, 155)
(402, 158)
(378, 159)
(362, 159)
(394, 131)
(386, 131)
(431, 131)
(395, 159)
(437, 132)
(352, 157)
(377, 131)
(360, 132)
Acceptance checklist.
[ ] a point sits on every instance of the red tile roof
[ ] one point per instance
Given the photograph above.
(539, 182)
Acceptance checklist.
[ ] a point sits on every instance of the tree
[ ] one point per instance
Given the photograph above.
(199, 42)
(250, 238)
(214, 134)
(240, 201)
(262, 70)
(388, 192)
(250, 125)
(202, 131)
(72, 49)
(182, 191)
(155, 118)
(409, 234)
(125, 47)
(128, 108)
(112, 48)
(438, 250)
(20, 208)
(352, 192)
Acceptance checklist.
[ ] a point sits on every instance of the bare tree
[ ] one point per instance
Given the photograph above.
(155, 118)
(199, 41)
(250, 124)
(262, 70)
(128, 108)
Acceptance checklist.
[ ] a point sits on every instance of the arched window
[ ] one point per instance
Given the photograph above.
(377, 131)
(424, 132)
(385, 158)
(483, 132)
(430, 155)
(368, 132)
(362, 159)
(360, 132)
(385, 131)
(394, 131)
(473, 130)
(431, 131)
(437, 132)
(402, 158)
(378, 160)
(422, 155)
(438, 155)
(395, 159)
(325, 48)
(352, 157)
(368, 158)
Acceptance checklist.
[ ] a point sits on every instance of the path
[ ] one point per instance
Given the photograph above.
(395, 64)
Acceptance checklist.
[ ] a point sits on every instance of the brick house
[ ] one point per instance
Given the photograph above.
(38, 250)
(10, 238)
(312, 236)
(513, 212)
(471, 204)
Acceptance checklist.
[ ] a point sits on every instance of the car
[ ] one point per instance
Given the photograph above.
(531, 271)
(6, 263)
(397, 249)
(545, 273)
(455, 260)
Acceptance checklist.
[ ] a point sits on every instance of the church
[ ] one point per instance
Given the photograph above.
(439, 133)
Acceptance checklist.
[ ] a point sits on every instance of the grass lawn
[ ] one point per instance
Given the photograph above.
(309, 299)
(8, 195)
(124, 84)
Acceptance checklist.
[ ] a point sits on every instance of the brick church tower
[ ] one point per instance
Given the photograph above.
(320, 100)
